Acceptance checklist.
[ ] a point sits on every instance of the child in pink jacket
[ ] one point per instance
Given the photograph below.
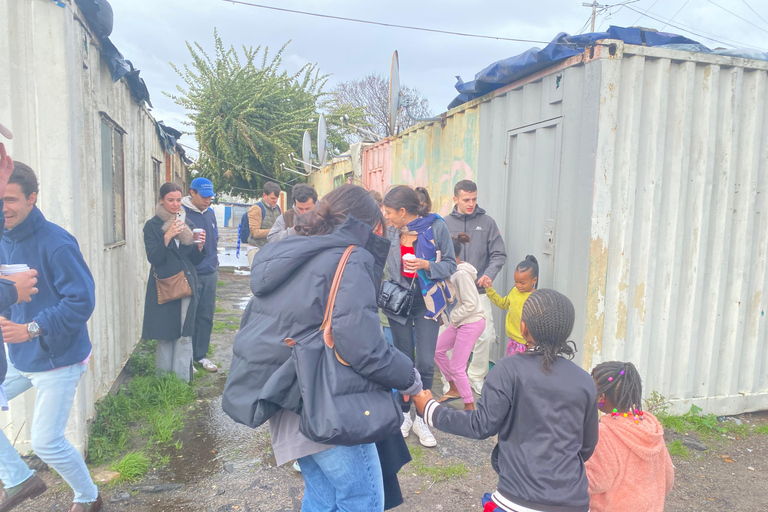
(631, 469)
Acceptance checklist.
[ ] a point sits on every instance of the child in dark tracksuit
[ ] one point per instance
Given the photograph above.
(543, 408)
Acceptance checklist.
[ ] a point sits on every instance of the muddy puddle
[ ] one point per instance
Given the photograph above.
(213, 443)
(228, 258)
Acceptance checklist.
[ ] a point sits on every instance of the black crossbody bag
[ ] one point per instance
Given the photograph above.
(395, 299)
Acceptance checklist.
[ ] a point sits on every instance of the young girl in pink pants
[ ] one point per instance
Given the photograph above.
(467, 323)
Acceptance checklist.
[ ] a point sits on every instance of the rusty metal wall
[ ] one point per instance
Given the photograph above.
(678, 242)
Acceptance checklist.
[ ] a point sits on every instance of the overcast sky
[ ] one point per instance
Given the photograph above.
(153, 33)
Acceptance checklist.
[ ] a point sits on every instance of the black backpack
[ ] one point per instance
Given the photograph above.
(244, 231)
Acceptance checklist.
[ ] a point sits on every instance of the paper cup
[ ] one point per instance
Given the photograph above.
(407, 257)
(8, 270)
(196, 233)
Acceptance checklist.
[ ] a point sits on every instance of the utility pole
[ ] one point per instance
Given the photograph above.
(594, 5)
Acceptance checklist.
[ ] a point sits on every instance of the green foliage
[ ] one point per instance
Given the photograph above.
(249, 113)
(132, 466)
(657, 404)
(220, 283)
(762, 429)
(154, 400)
(707, 424)
(677, 449)
(142, 361)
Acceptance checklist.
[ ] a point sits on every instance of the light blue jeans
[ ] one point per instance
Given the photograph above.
(343, 479)
(55, 396)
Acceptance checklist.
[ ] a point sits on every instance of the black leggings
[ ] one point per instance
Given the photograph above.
(424, 333)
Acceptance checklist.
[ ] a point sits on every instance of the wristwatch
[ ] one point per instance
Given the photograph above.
(33, 329)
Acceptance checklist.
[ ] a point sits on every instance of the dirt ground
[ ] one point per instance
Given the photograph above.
(223, 466)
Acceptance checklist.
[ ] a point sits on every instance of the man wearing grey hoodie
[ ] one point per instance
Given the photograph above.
(485, 252)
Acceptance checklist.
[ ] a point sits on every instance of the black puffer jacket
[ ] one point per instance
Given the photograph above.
(290, 282)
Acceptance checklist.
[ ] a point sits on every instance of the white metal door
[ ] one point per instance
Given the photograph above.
(533, 167)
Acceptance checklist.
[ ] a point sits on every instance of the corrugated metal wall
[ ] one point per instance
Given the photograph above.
(679, 235)
(57, 88)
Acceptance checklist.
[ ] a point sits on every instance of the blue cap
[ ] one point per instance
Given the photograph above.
(203, 186)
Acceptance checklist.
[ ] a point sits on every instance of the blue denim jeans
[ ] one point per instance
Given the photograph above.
(55, 396)
(343, 479)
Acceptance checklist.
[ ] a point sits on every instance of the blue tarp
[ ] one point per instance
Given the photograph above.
(563, 47)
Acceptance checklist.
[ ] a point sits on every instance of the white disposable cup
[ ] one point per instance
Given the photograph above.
(8, 270)
(196, 233)
(407, 257)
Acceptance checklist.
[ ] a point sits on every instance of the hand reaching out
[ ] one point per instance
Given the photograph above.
(484, 281)
(420, 401)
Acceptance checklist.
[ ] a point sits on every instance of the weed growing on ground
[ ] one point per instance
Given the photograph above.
(762, 429)
(656, 404)
(229, 324)
(147, 399)
(437, 472)
(219, 310)
(678, 449)
(132, 466)
(220, 283)
(705, 425)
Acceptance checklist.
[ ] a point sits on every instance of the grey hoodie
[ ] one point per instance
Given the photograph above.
(486, 250)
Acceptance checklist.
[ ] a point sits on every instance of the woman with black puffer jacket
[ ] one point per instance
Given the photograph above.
(291, 281)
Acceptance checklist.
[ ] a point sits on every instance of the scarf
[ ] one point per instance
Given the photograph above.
(435, 293)
(185, 237)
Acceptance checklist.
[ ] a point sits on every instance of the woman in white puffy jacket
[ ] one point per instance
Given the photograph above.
(467, 323)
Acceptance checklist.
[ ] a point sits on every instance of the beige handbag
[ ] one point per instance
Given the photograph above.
(172, 288)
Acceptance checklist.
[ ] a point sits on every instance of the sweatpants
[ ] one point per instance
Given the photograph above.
(461, 339)
(176, 355)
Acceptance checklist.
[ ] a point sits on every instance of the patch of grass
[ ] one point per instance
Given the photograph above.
(704, 424)
(678, 449)
(227, 325)
(132, 466)
(762, 429)
(220, 283)
(142, 361)
(151, 400)
(219, 310)
(436, 472)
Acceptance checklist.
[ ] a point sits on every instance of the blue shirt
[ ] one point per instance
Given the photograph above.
(206, 221)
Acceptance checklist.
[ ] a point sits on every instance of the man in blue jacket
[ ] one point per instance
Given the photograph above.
(197, 205)
(48, 343)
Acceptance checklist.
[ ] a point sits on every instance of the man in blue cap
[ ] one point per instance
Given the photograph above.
(197, 205)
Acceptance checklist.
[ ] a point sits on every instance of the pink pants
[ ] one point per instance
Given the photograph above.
(461, 340)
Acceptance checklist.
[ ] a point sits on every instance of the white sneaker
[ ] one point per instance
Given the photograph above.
(405, 428)
(477, 385)
(422, 431)
(446, 387)
(296, 466)
(208, 365)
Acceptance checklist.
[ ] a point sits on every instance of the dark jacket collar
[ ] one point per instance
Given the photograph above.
(455, 213)
(28, 227)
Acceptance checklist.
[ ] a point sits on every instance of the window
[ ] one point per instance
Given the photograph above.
(158, 176)
(112, 181)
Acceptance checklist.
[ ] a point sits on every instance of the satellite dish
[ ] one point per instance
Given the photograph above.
(394, 93)
(322, 141)
(306, 152)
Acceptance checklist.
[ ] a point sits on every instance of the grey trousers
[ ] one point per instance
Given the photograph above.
(176, 355)
(206, 308)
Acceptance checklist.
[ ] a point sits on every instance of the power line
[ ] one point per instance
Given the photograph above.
(678, 12)
(696, 33)
(391, 25)
(647, 10)
(743, 19)
(754, 11)
(238, 166)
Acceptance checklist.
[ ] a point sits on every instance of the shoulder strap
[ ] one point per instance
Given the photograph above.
(326, 326)
(263, 211)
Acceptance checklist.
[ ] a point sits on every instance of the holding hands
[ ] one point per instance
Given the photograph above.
(420, 401)
(484, 281)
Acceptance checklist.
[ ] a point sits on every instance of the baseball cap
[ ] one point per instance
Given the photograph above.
(5, 132)
(203, 186)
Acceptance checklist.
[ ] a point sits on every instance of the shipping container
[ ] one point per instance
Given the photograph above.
(637, 177)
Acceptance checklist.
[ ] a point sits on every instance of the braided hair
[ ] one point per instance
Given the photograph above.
(529, 263)
(621, 383)
(549, 317)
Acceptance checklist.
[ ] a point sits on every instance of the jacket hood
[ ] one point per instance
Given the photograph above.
(275, 262)
(187, 202)
(468, 268)
(645, 439)
(455, 213)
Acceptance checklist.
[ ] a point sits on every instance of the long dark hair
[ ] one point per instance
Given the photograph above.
(403, 196)
(621, 383)
(549, 317)
(167, 188)
(333, 209)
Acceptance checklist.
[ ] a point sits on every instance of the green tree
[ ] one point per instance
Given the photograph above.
(249, 114)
